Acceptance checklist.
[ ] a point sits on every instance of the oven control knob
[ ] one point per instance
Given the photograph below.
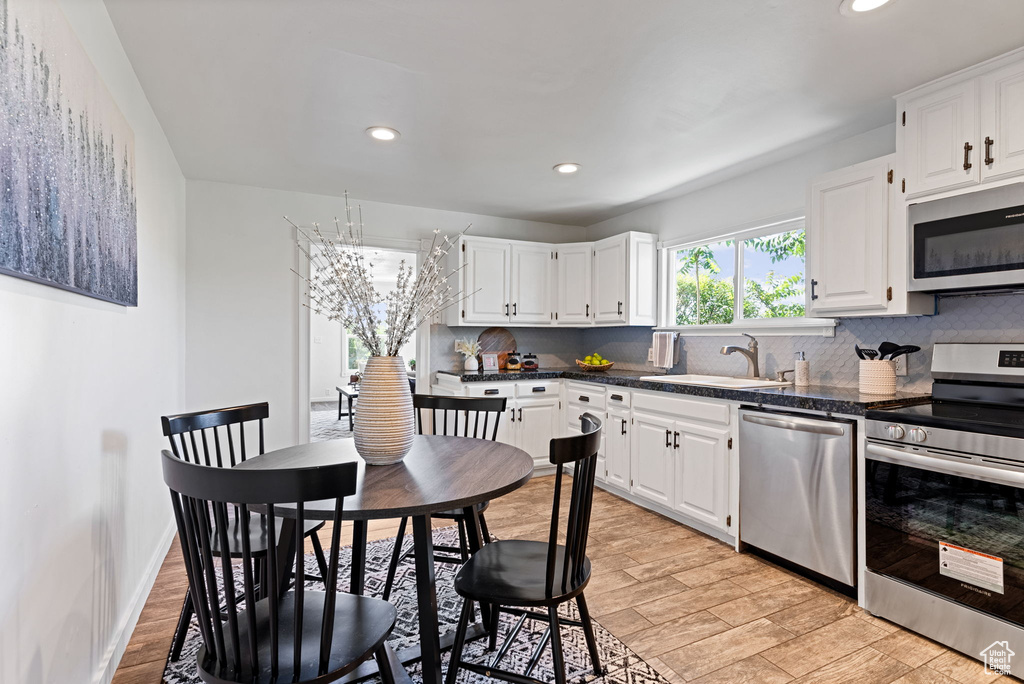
(918, 435)
(894, 432)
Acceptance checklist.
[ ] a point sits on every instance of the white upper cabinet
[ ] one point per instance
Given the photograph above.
(847, 236)
(1002, 122)
(516, 283)
(610, 279)
(940, 138)
(964, 129)
(626, 280)
(573, 265)
(486, 269)
(857, 245)
(531, 275)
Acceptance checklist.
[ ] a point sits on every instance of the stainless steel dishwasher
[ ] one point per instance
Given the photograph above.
(797, 490)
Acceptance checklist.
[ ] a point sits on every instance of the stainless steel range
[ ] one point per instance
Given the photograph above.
(944, 489)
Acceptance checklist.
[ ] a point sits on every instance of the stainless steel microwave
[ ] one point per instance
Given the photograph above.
(973, 241)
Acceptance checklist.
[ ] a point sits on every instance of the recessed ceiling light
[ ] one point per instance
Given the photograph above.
(383, 133)
(567, 167)
(852, 8)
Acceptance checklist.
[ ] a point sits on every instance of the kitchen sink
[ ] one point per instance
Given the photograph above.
(725, 381)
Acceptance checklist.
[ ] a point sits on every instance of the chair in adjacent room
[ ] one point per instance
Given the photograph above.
(266, 631)
(217, 438)
(532, 579)
(463, 417)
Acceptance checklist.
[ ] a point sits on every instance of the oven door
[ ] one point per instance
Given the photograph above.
(949, 526)
(969, 241)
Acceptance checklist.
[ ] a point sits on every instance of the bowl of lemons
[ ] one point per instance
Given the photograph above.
(594, 362)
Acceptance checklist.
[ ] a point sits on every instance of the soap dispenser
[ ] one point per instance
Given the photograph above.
(802, 370)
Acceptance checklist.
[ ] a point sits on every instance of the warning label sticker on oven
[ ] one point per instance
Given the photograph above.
(973, 567)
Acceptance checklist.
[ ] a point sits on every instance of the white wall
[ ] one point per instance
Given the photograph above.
(86, 516)
(242, 298)
(776, 189)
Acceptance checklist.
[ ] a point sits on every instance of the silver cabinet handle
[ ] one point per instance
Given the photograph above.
(799, 424)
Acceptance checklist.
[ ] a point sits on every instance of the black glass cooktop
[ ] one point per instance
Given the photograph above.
(993, 420)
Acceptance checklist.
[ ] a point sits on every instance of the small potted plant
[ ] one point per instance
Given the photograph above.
(469, 349)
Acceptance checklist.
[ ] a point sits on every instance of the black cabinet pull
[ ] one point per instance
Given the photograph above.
(513, 418)
(620, 308)
(668, 438)
(623, 425)
(588, 311)
(967, 156)
(814, 283)
(520, 415)
(491, 391)
(585, 398)
(506, 309)
(540, 389)
(675, 440)
(989, 142)
(514, 309)
(616, 397)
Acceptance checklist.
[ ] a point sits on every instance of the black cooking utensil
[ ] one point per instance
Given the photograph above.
(886, 349)
(905, 349)
(860, 352)
(871, 354)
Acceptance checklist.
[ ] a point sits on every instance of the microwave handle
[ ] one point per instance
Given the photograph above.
(885, 454)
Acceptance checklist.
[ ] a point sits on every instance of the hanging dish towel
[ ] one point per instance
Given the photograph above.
(664, 350)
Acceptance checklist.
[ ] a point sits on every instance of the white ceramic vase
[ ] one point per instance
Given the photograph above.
(385, 423)
(472, 365)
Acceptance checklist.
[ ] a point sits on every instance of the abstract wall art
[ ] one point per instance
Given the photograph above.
(67, 161)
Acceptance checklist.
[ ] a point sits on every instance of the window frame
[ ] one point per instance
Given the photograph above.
(803, 325)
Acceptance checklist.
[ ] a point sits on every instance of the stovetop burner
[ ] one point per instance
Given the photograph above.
(995, 420)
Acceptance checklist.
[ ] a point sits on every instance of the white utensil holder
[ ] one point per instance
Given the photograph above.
(877, 377)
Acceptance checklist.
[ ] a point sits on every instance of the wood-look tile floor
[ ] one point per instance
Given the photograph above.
(686, 603)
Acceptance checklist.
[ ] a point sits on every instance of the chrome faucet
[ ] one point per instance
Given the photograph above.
(750, 352)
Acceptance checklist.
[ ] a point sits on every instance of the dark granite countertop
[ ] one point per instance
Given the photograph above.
(847, 400)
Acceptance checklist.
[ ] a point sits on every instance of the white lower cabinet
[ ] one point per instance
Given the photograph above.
(702, 472)
(537, 422)
(617, 431)
(651, 458)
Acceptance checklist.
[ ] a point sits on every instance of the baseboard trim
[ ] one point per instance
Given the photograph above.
(119, 642)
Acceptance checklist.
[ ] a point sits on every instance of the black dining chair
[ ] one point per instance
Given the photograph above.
(522, 578)
(291, 634)
(464, 417)
(216, 438)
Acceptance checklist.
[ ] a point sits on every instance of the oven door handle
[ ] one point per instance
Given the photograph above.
(994, 475)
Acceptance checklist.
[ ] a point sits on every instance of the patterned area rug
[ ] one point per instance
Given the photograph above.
(324, 424)
(622, 666)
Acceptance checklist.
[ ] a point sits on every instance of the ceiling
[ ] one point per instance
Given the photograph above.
(649, 97)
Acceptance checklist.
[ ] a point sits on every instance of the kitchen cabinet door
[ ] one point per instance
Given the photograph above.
(701, 484)
(938, 127)
(486, 281)
(573, 264)
(507, 433)
(617, 429)
(609, 301)
(1001, 138)
(847, 240)
(651, 458)
(538, 421)
(531, 290)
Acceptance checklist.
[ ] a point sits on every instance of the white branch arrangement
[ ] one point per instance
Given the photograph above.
(341, 285)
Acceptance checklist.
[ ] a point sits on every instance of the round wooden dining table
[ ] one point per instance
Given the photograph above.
(440, 473)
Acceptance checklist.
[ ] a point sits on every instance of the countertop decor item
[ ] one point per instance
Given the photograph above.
(877, 376)
(469, 349)
(513, 363)
(594, 367)
(341, 287)
(801, 370)
(499, 341)
(530, 363)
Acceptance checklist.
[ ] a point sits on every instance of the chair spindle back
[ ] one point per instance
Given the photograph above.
(479, 415)
(216, 437)
(582, 451)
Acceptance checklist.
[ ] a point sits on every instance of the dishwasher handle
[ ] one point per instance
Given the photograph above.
(818, 427)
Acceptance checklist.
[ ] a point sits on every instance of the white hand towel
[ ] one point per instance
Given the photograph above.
(664, 350)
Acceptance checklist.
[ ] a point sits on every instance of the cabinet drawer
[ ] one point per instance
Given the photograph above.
(504, 389)
(618, 397)
(707, 410)
(541, 388)
(584, 395)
